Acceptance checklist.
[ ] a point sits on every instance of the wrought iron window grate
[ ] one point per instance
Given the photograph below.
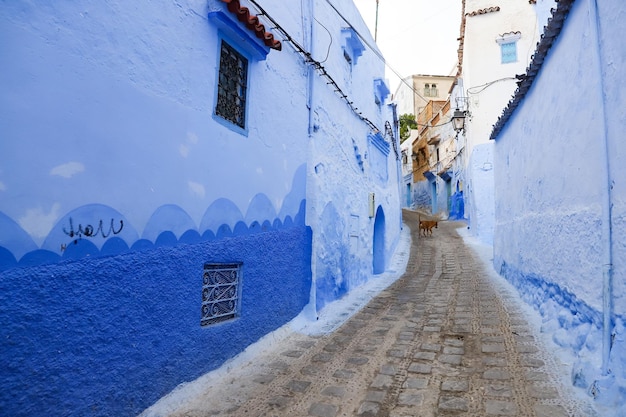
(220, 292)
(231, 88)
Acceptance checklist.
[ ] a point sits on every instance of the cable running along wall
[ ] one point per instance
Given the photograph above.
(318, 65)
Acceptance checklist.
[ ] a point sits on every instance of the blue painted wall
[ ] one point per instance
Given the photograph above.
(561, 198)
(423, 195)
(354, 151)
(118, 182)
(111, 335)
(332, 259)
(457, 206)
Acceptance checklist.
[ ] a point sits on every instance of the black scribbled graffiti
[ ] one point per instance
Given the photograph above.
(89, 231)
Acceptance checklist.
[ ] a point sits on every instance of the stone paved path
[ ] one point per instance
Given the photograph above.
(440, 341)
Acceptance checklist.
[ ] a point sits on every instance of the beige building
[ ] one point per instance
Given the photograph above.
(414, 92)
(434, 150)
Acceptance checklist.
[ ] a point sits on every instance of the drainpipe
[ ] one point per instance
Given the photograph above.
(311, 70)
(607, 200)
(310, 310)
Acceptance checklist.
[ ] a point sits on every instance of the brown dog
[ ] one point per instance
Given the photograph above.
(426, 226)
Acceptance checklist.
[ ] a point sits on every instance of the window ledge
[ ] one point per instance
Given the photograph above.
(251, 45)
(381, 91)
(380, 143)
(508, 37)
(352, 45)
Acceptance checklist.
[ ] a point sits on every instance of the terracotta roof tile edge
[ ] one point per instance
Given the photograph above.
(484, 11)
(253, 24)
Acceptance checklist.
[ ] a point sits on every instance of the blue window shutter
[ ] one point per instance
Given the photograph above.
(509, 52)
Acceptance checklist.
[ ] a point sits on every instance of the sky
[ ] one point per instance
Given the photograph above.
(415, 36)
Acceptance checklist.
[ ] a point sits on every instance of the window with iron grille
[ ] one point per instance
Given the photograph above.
(220, 292)
(232, 86)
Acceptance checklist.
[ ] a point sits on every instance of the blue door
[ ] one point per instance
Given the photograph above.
(408, 195)
(379, 242)
(448, 194)
(433, 192)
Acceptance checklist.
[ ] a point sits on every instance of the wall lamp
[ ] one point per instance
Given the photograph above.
(458, 120)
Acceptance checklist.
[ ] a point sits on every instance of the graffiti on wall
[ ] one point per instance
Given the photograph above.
(90, 231)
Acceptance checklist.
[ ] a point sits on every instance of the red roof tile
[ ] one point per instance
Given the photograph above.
(484, 11)
(253, 24)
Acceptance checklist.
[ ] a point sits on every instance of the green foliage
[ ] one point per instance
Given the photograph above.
(407, 122)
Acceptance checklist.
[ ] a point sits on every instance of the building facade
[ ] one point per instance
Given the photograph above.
(497, 40)
(431, 167)
(414, 92)
(176, 181)
(407, 160)
(434, 151)
(560, 228)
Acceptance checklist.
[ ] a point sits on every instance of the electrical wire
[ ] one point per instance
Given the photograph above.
(376, 52)
(483, 87)
(331, 40)
(530, 46)
(317, 65)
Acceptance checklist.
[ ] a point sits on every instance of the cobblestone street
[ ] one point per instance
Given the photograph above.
(440, 341)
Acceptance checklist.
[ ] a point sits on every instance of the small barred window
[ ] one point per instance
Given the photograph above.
(220, 292)
(232, 85)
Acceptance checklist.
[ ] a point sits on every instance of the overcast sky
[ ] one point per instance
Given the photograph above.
(415, 36)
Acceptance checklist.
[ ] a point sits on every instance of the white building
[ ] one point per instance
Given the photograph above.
(497, 40)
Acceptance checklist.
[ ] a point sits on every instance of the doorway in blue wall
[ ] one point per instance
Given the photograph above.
(379, 241)
(433, 192)
(408, 195)
(448, 194)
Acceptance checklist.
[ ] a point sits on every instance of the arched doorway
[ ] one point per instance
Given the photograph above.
(379, 242)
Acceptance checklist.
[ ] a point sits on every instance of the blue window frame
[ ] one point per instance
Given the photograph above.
(508, 52)
(232, 86)
(508, 46)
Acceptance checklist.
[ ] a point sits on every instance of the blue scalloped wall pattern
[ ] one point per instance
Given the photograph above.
(77, 235)
(100, 230)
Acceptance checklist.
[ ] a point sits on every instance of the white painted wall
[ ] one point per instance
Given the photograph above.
(489, 85)
(405, 97)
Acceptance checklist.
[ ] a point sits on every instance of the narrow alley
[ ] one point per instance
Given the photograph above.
(440, 341)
